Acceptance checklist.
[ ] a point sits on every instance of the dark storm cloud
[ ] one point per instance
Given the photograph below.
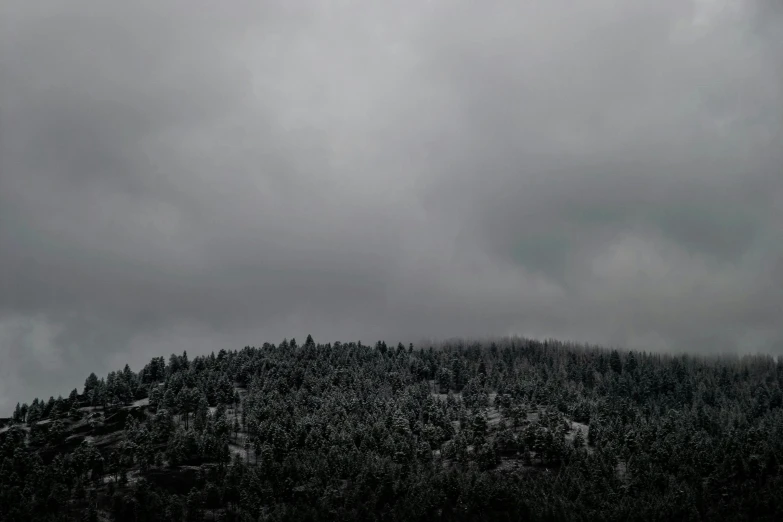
(180, 175)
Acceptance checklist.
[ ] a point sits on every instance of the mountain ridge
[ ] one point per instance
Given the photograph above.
(470, 430)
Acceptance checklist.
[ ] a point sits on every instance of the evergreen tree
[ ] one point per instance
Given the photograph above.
(90, 383)
(615, 363)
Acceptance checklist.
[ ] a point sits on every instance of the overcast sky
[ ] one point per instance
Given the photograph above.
(202, 175)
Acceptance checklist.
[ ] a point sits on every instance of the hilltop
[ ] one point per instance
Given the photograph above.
(506, 430)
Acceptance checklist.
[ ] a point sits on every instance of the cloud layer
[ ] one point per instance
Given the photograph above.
(178, 175)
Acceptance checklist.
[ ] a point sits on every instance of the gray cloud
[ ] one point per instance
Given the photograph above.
(191, 176)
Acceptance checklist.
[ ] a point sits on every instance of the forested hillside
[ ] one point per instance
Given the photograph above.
(507, 430)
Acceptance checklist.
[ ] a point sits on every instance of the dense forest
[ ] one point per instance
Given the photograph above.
(513, 429)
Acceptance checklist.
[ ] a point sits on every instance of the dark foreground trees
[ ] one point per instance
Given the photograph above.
(512, 430)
